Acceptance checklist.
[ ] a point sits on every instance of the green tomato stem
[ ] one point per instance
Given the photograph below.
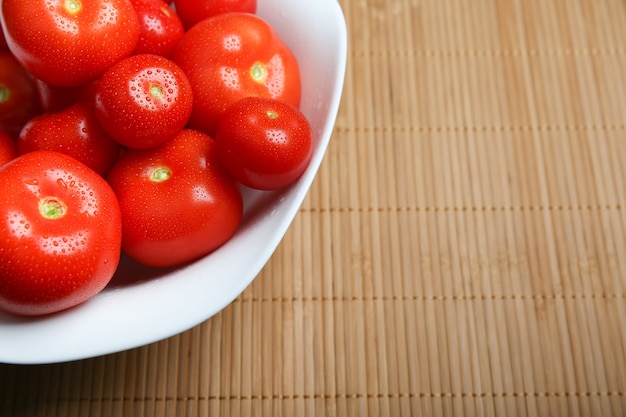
(258, 72)
(73, 6)
(160, 174)
(156, 91)
(52, 208)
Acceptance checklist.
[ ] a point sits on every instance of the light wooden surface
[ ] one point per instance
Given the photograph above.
(461, 253)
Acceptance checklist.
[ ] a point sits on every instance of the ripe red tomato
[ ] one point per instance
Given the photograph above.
(8, 148)
(177, 201)
(18, 95)
(264, 143)
(160, 28)
(74, 131)
(69, 42)
(61, 233)
(232, 56)
(143, 101)
(193, 11)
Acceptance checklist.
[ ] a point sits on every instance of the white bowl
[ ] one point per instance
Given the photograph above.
(142, 305)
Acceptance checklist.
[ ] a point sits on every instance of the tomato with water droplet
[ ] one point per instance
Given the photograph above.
(178, 203)
(143, 101)
(265, 144)
(60, 233)
(160, 28)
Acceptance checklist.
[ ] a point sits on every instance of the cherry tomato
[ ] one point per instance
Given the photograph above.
(8, 148)
(264, 143)
(177, 201)
(54, 98)
(18, 95)
(160, 28)
(69, 42)
(143, 101)
(61, 233)
(74, 131)
(232, 56)
(193, 11)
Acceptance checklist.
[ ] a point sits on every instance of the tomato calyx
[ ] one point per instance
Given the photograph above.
(258, 72)
(156, 91)
(73, 6)
(52, 208)
(160, 174)
(153, 88)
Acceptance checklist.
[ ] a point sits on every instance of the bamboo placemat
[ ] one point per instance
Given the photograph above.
(461, 253)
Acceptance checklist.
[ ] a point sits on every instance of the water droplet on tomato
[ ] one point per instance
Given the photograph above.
(62, 184)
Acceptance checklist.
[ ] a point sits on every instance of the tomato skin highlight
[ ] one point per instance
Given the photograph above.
(231, 56)
(69, 42)
(177, 201)
(60, 233)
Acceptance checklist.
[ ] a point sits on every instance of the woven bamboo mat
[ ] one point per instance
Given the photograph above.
(461, 253)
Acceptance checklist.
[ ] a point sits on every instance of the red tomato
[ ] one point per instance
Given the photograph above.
(8, 148)
(232, 56)
(18, 95)
(74, 131)
(54, 98)
(160, 28)
(264, 143)
(193, 11)
(177, 201)
(69, 42)
(61, 233)
(143, 101)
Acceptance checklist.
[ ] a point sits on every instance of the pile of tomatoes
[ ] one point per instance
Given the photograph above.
(133, 126)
